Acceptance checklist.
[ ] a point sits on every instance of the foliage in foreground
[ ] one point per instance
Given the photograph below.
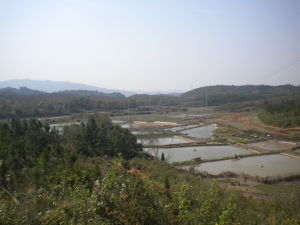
(153, 194)
(51, 180)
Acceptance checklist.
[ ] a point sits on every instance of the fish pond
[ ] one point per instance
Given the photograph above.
(163, 141)
(179, 128)
(297, 150)
(60, 126)
(266, 165)
(125, 125)
(118, 121)
(189, 153)
(200, 132)
(190, 115)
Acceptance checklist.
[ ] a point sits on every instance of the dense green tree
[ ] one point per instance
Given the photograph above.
(282, 113)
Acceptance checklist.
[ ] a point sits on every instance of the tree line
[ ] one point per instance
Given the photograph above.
(26, 144)
(68, 102)
(283, 113)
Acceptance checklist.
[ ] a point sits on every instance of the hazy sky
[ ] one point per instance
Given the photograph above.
(151, 45)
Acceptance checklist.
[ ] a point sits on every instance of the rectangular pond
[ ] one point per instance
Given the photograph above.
(200, 132)
(163, 141)
(60, 126)
(125, 125)
(190, 115)
(138, 132)
(64, 124)
(118, 121)
(205, 152)
(179, 128)
(266, 165)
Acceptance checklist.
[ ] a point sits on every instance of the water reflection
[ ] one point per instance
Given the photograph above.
(267, 165)
(200, 132)
(163, 141)
(205, 152)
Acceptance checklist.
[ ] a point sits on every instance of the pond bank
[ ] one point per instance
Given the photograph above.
(192, 163)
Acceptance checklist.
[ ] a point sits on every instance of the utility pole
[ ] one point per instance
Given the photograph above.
(128, 110)
(206, 97)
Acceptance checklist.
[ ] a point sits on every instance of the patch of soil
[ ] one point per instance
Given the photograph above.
(246, 118)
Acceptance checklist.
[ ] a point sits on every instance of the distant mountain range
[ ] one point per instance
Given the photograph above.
(24, 91)
(56, 86)
(218, 94)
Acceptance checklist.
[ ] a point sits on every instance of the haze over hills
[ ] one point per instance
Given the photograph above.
(24, 91)
(55, 86)
(214, 93)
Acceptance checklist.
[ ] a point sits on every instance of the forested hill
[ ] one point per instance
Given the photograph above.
(21, 91)
(15, 102)
(89, 93)
(8, 91)
(25, 102)
(220, 94)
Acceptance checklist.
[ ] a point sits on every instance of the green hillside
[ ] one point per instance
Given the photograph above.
(221, 94)
(30, 103)
(283, 112)
(95, 174)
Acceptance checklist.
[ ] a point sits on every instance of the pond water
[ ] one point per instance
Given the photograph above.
(122, 123)
(179, 128)
(297, 150)
(189, 115)
(60, 126)
(137, 132)
(200, 132)
(64, 124)
(125, 125)
(198, 115)
(297, 181)
(205, 152)
(273, 145)
(163, 141)
(266, 165)
(118, 121)
(179, 116)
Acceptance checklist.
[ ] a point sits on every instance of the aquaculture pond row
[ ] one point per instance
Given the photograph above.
(163, 141)
(265, 165)
(190, 153)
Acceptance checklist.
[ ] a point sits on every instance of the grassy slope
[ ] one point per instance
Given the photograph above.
(279, 188)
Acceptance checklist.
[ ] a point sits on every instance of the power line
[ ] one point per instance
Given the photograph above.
(281, 69)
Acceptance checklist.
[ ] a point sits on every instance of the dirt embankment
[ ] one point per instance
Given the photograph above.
(250, 121)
